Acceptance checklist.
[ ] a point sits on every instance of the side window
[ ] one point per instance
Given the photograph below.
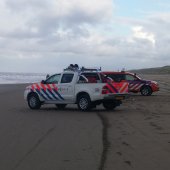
(82, 79)
(117, 77)
(53, 79)
(92, 77)
(130, 77)
(67, 78)
(103, 78)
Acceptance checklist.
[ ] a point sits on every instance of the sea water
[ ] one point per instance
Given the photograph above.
(19, 78)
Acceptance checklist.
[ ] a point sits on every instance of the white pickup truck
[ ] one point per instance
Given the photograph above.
(84, 88)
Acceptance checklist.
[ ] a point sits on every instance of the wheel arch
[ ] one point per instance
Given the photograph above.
(145, 85)
(32, 93)
(82, 93)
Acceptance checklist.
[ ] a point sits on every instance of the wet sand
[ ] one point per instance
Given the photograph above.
(135, 135)
(139, 131)
(47, 139)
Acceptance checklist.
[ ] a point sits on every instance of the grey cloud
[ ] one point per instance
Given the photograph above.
(39, 14)
(49, 41)
(159, 25)
(23, 5)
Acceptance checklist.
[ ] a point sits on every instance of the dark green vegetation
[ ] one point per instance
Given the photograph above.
(157, 70)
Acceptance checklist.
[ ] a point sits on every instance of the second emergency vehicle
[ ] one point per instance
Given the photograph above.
(136, 84)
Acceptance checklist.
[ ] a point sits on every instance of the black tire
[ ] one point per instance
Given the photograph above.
(61, 106)
(146, 91)
(34, 101)
(84, 102)
(109, 105)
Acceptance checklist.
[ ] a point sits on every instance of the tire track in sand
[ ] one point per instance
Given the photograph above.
(105, 140)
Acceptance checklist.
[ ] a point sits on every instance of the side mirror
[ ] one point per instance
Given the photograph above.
(47, 76)
(43, 81)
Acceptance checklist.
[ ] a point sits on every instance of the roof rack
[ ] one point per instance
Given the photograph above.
(75, 67)
(123, 70)
(91, 69)
(72, 67)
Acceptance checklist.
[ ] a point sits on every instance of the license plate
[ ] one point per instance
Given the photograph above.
(119, 97)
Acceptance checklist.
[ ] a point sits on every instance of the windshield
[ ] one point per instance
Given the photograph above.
(137, 77)
(53, 79)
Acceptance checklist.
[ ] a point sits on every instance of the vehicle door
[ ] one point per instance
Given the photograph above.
(134, 82)
(50, 88)
(66, 87)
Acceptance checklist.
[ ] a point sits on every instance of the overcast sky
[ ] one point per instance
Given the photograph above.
(47, 35)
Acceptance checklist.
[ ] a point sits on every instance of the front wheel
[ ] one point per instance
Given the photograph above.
(84, 102)
(146, 91)
(34, 102)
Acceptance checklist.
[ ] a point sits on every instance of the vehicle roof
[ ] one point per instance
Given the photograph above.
(117, 72)
(72, 72)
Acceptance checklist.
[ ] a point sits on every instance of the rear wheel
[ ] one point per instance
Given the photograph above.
(61, 106)
(34, 101)
(84, 102)
(111, 104)
(146, 91)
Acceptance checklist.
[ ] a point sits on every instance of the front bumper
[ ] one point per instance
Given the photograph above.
(26, 92)
(155, 87)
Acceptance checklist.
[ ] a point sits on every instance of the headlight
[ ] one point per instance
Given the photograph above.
(154, 82)
(28, 88)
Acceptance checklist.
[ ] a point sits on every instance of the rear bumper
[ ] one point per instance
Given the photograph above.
(116, 96)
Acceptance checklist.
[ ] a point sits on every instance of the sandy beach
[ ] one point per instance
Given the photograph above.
(135, 135)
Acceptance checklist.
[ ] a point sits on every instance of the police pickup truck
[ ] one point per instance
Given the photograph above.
(84, 87)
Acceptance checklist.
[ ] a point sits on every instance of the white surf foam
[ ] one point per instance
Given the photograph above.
(19, 78)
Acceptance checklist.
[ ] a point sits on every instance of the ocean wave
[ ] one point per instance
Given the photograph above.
(19, 78)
